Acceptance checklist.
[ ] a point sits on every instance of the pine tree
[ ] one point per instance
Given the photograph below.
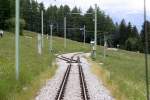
(123, 33)
(143, 35)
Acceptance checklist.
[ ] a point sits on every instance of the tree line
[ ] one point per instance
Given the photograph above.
(125, 35)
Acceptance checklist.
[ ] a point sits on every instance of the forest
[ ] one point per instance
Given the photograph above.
(123, 35)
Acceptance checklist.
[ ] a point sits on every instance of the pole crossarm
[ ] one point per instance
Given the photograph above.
(80, 13)
(73, 28)
(74, 13)
(89, 14)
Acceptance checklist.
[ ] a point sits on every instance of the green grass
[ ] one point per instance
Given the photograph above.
(32, 65)
(127, 72)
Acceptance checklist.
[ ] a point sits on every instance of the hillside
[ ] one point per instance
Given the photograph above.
(123, 72)
(32, 65)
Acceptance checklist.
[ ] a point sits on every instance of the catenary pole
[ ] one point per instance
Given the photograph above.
(84, 34)
(39, 44)
(42, 28)
(65, 44)
(51, 41)
(146, 52)
(17, 31)
(95, 35)
(105, 43)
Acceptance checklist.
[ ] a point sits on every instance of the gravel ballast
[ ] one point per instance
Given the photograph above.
(96, 90)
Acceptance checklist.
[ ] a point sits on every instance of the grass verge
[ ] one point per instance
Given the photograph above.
(32, 64)
(29, 92)
(124, 73)
(104, 76)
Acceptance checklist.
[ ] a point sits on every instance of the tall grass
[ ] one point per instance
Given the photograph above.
(32, 65)
(127, 72)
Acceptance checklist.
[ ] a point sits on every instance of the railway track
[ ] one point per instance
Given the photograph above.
(60, 93)
(83, 86)
(84, 90)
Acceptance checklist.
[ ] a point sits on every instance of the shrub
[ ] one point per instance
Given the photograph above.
(10, 23)
(132, 44)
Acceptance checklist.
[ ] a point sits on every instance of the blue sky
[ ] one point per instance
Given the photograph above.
(130, 10)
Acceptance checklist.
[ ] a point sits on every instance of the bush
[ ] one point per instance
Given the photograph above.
(10, 23)
(132, 44)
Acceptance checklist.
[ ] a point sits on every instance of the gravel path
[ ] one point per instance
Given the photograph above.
(95, 87)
